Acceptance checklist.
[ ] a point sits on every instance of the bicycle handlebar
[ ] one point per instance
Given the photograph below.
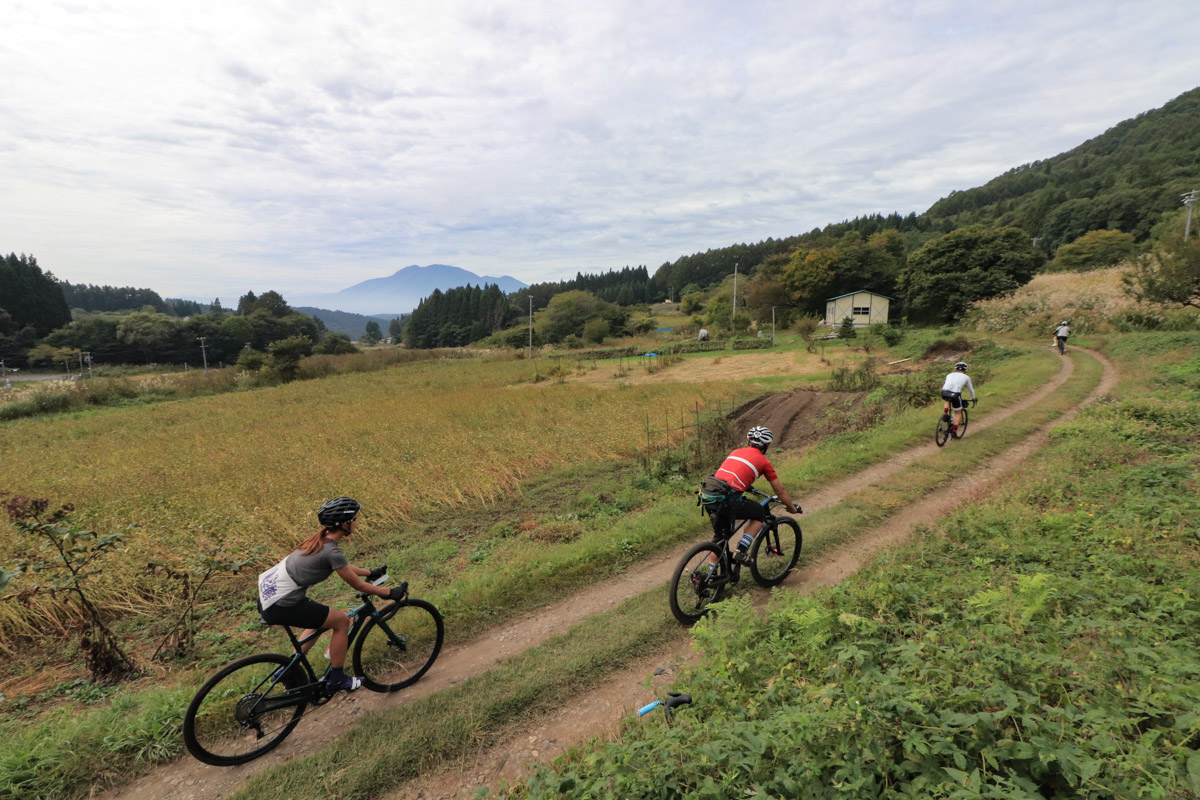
(674, 700)
(771, 498)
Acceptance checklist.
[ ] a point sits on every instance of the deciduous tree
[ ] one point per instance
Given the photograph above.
(952, 271)
(1169, 276)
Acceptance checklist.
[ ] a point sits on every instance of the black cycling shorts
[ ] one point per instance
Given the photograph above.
(955, 398)
(740, 508)
(307, 613)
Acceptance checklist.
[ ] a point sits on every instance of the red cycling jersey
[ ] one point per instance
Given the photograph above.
(743, 466)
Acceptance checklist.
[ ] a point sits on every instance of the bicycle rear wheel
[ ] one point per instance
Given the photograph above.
(399, 646)
(244, 710)
(942, 433)
(962, 426)
(775, 551)
(694, 586)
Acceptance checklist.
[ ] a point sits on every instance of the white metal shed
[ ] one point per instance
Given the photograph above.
(864, 307)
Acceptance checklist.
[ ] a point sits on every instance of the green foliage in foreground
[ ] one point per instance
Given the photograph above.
(1043, 643)
(74, 753)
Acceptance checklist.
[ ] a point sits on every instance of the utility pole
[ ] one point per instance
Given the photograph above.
(531, 327)
(734, 314)
(4, 374)
(87, 357)
(772, 326)
(203, 353)
(1189, 200)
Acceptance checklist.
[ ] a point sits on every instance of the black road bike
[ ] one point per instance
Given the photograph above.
(708, 569)
(252, 704)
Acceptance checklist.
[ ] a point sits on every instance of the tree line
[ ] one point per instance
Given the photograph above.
(89, 297)
(259, 323)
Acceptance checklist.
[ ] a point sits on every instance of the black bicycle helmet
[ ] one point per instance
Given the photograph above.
(961, 366)
(337, 511)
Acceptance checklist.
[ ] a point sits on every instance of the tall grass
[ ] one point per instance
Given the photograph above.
(1087, 299)
(251, 467)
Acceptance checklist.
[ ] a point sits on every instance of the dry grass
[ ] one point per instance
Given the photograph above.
(253, 466)
(1087, 299)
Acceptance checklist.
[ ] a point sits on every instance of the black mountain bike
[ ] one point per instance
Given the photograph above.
(252, 704)
(946, 429)
(698, 582)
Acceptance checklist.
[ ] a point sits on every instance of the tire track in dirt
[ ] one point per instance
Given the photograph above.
(187, 779)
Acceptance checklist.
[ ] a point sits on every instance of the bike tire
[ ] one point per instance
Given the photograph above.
(691, 589)
(942, 433)
(223, 726)
(775, 551)
(399, 646)
(962, 426)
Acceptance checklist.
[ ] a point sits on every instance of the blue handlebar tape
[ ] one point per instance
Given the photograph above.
(646, 709)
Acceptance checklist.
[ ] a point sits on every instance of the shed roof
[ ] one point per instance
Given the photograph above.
(860, 291)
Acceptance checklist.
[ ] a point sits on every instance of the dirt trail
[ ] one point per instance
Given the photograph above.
(599, 712)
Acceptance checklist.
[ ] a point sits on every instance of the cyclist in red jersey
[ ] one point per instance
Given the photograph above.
(740, 469)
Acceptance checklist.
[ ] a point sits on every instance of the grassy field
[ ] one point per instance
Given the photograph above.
(567, 515)
(248, 469)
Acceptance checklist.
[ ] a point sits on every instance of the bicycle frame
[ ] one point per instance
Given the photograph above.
(732, 566)
(308, 693)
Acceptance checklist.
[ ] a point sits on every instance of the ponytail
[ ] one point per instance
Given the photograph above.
(313, 544)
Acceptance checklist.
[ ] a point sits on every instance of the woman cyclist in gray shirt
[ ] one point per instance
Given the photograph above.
(282, 590)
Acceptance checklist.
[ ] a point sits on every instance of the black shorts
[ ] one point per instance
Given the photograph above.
(741, 508)
(307, 613)
(955, 398)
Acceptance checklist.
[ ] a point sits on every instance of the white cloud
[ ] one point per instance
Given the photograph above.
(214, 148)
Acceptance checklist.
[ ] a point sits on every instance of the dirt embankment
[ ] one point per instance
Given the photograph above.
(797, 418)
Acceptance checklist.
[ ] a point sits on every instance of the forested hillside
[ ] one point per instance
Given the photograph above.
(1125, 179)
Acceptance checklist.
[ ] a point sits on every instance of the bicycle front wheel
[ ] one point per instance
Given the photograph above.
(962, 426)
(399, 646)
(775, 551)
(694, 585)
(244, 710)
(942, 433)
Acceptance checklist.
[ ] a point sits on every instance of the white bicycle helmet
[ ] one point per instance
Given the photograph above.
(961, 366)
(760, 437)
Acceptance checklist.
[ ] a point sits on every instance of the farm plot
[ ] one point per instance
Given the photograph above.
(253, 466)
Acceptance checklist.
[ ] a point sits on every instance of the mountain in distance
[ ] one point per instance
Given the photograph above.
(403, 290)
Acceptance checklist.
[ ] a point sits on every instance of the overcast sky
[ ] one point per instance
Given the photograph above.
(207, 149)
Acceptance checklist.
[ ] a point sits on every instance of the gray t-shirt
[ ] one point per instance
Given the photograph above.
(311, 570)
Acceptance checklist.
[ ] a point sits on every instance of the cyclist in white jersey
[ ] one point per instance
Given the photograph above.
(1060, 335)
(952, 390)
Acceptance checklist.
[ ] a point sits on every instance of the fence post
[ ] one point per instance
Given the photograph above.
(647, 444)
